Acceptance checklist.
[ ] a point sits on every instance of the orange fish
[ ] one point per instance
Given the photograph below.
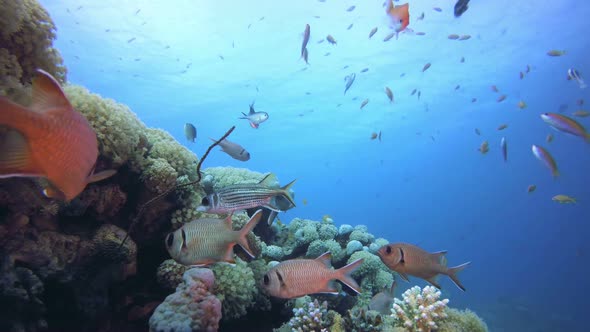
(400, 15)
(51, 140)
(298, 277)
(407, 259)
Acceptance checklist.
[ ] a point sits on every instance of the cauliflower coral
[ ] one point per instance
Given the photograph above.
(420, 310)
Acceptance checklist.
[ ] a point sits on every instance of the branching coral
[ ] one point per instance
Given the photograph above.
(312, 316)
(420, 310)
(26, 37)
(191, 308)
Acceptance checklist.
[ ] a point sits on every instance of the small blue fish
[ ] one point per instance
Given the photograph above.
(255, 118)
(349, 80)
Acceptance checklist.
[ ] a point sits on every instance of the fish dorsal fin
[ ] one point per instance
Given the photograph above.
(268, 180)
(326, 259)
(389, 6)
(252, 111)
(48, 95)
(439, 257)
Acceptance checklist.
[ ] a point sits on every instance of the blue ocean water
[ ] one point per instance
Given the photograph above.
(426, 182)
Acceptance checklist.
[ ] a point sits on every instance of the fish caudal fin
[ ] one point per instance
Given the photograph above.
(15, 156)
(243, 236)
(453, 271)
(344, 275)
(287, 191)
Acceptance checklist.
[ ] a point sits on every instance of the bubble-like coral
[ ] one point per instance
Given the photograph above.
(462, 321)
(26, 37)
(235, 287)
(170, 273)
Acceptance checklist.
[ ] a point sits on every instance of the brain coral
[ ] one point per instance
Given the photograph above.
(26, 37)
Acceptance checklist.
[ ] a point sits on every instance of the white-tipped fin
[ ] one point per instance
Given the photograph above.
(48, 95)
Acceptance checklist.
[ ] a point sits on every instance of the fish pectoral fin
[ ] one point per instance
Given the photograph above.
(271, 217)
(404, 276)
(440, 257)
(48, 95)
(15, 156)
(434, 282)
(102, 175)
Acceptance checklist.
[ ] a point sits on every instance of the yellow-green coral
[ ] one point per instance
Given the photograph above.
(235, 287)
(26, 37)
(219, 177)
(462, 321)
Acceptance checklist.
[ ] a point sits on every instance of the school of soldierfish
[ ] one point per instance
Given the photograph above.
(50, 139)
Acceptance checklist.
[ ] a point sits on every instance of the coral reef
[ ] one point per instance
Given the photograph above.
(420, 309)
(462, 321)
(235, 288)
(26, 37)
(191, 308)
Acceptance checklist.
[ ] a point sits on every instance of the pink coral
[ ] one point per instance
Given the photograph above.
(192, 307)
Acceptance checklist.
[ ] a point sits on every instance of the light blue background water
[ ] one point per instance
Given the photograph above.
(529, 255)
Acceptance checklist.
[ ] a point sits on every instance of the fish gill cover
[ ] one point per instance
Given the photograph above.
(419, 124)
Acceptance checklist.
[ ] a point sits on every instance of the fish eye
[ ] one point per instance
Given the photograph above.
(170, 239)
(400, 21)
(205, 201)
(266, 280)
(388, 249)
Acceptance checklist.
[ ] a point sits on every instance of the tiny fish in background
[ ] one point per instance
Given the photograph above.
(374, 136)
(350, 26)
(580, 102)
(255, 118)
(564, 199)
(364, 70)
(421, 17)
(484, 147)
(555, 53)
(457, 87)
(521, 104)
(206, 241)
(453, 36)
(494, 88)
(528, 69)
(566, 124)
(49, 139)
(306, 34)
(351, 8)
(460, 7)
(130, 40)
(407, 259)
(373, 31)
(426, 66)
(437, 9)
(389, 94)
(465, 37)
(364, 103)
(502, 126)
(190, 132)
(234, 150)
(473, 100)
(574, 75)
(501, 98)
(331, 40)
(298, 277)
(420, 33)
(419, 94)
(504, 147)
(545, 157)
(477, 132)
(549, 138)
(383, 300)
(389, 36)
(413, 92)
(531, 188)
(581, 113)
(521, 75)
(349, 80)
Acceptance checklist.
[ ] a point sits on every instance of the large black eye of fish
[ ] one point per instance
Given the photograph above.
(388, 249)
(266, 280)
(205, 201)
(170, 239)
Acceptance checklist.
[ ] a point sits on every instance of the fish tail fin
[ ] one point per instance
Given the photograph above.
(453, 271)
(243, 236)
(287, 191)
(344, 275)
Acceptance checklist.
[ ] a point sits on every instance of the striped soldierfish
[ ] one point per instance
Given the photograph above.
(298, 277)
(407, 259)
(49, 139)
(206, 241)
(245, 196)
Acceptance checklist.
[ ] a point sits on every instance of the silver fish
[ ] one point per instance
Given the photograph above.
(234, 150)
(190, 132)
(349, 80)
(383, 300)
(504, 149)
(207, 241)
(255, 118)
(245, 196)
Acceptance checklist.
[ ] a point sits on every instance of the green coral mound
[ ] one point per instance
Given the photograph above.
(26, 37)
(462, 321)
(235, 287)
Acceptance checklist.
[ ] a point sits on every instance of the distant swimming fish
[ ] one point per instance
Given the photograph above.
(349, 80)
(460, 7)
(234, 150)
(389, 94)
(306, 34)
(373, 31)
(545, 157)
(255, 118)
(190, 132)
(573, 74)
